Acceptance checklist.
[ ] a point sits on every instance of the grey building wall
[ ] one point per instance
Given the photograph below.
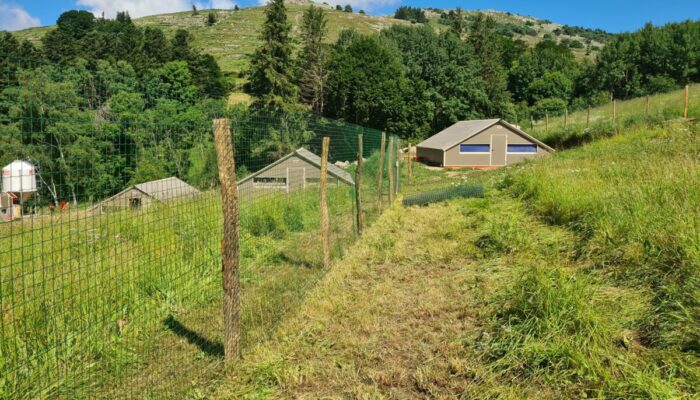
(453, 158)
(297, 173)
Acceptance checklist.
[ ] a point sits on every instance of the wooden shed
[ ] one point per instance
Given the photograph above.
(147, 193)
(295, 171)
(482, 143)
(10, 210)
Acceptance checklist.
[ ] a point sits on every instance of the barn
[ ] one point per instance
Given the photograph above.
(482, 143)
(145, 194)
(298, 170)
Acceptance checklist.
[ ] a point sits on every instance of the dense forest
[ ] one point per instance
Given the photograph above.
(104, 103)
(416, 80)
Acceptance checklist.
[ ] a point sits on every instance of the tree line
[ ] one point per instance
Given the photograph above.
(416, 80)
(104, 103)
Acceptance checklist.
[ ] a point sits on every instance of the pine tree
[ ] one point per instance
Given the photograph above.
(456, 20)
(211, 18)
(271, 66)
(484, 39)
(194, 10)
(313, 60)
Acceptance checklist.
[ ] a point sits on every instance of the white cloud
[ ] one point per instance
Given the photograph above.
(222, 4)
(141, 8)
(14, 18)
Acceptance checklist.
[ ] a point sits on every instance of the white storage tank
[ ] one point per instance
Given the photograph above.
(19, 177)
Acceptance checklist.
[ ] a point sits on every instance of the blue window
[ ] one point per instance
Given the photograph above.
(522, 148)
(474, 148)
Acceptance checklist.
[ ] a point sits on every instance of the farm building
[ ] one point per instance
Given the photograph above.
(10, 210)
(298, 170)
(480, 144)
(145, 194)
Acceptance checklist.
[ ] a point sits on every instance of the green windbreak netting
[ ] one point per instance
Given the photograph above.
(110, 259)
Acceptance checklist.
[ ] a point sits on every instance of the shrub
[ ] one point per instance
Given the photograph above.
(551, 107)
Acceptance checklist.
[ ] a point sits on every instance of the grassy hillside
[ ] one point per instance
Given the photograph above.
(236, 34)
(533, 30)
(575, 277)
(662, 107)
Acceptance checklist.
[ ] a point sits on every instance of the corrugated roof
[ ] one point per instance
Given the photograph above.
(456, 133)
(166, 189)
(464, 130)
(312, 159)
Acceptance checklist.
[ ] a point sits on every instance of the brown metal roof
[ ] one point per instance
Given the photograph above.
(463, 130)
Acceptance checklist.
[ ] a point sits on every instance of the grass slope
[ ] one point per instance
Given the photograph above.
(575, 277)
(236, 34)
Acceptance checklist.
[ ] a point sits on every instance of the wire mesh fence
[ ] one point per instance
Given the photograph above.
(110, 240)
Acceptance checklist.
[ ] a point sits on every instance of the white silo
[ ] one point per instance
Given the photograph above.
(19, 178)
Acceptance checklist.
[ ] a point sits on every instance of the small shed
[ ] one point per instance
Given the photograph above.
(484, 143)
(300, 169)
(145, 194)
(10, 210)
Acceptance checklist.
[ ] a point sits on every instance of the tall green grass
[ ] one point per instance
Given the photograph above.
(83, 297)
(629, 113)
(618, 314)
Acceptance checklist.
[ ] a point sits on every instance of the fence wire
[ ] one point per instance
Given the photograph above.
(110, 258)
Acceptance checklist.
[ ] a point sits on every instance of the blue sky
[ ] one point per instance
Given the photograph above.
(611, 15)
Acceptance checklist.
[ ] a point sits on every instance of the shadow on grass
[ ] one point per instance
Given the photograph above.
(214, 349)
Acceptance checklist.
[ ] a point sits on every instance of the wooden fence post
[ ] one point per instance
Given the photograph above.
(358, 186)
(687, 95)
(225, 153)
(410, 164)
(532, 123)
(546, 122)
(614, 117)
(390, 171)
(397, 182)
(588, 117)
(646, 110)
(325, 224)
(566, 117)
(380, 171)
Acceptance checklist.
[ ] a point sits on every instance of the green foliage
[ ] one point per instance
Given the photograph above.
(367, 84)
(271, 69)
(211, 18)
(631, 64)
(313, 59)
(548, 107)
(444, 81)
(413, 14)
(483, 38)
(347, 8)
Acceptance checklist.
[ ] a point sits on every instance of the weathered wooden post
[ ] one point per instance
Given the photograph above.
(546, 122)
(325, 223)
(390, 170)
(687, 98)
(380, 171)
(646, 110)
(566, 117)
(532, 123)
(358, 186)
(397, 181)
(410, 164)
(225, 153)
(588, 117)
(614, 117)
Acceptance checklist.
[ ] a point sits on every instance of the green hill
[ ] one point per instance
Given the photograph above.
(236, 33)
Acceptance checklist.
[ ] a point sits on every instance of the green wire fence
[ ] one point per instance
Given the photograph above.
(110, 258)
